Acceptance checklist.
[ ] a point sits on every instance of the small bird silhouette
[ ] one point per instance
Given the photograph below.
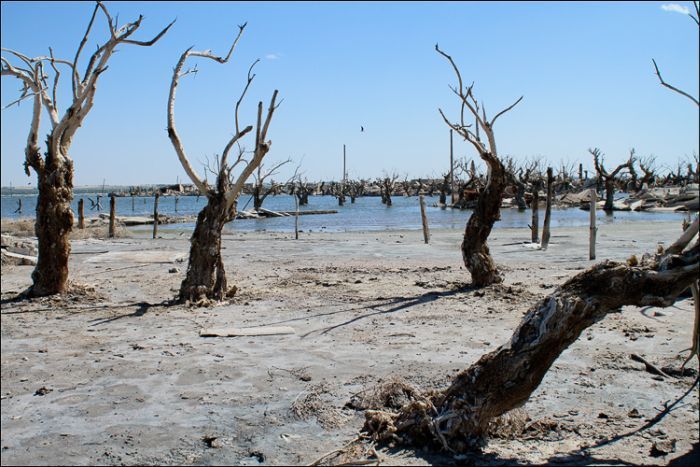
(362, 128)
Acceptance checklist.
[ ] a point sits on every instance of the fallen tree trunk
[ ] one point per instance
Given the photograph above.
(457, 418)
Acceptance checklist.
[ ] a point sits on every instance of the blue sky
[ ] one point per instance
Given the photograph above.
(584, 68)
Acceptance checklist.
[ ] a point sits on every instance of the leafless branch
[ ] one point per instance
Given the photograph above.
(673, 88)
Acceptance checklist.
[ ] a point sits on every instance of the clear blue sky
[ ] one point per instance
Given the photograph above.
(584, 68)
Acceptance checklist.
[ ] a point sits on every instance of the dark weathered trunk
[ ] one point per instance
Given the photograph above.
(475, 250)
(54, 222)
(609, 194)
(520, 196)
(206, 277)
(457, 418)
(257, 197)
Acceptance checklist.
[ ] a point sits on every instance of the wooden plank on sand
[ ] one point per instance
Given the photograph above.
(233, 332)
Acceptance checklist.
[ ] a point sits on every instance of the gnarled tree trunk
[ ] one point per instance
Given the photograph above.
(206, 277)
(54, 222)
(457, 419)
(475, 250)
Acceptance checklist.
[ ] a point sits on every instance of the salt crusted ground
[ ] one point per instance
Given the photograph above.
(119, 376)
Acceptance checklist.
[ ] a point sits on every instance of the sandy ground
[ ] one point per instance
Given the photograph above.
(119, 376)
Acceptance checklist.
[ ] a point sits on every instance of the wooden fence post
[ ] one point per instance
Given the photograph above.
(155, 216)
(548, 210)
(593, 228)
(424, 219)
(112, 209)
(535, 205)
(81, 214)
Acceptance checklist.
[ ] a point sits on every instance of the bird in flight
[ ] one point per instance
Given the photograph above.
(362, 128)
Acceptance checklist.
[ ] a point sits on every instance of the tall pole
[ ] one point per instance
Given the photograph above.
(344, 171)
(452, 166)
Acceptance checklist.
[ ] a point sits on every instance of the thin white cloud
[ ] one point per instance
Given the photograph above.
(675, 8)
(272, 56)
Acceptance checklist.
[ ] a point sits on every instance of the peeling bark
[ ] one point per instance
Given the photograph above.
(54, 222)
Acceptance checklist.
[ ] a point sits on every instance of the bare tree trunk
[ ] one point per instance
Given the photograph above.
(547, 210)
(206, 277)
(520, 196)
(475, 250)
(609, 194)
(457, 418)
(54, 221)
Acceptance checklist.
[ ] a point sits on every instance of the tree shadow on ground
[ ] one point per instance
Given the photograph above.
(395, 304)
(141, 309)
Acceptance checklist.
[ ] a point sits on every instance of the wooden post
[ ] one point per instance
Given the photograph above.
(296, 218)
(424, 219)
(593, 228)
(177, 198)
(548, 210)
(81, 214)
(580, 172)
(133, 207)
(112, 209)
(155, 216)
(535, 205)
(452, 175)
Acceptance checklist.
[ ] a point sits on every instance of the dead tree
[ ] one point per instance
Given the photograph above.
(356, 188)
(457, 419)
(302, 190)
(475, 250)
(54, 217)
(608, 178)
(206, 278)
(386, 187)
(647, 166)
(260, 190)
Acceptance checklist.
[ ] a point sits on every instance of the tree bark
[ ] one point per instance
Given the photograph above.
(475, 250)
(457, 419)
(206, 277)
(54, 222)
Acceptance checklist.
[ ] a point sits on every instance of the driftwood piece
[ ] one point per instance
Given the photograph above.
(235, 332)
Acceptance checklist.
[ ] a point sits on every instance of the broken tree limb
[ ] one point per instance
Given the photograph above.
(457, 418)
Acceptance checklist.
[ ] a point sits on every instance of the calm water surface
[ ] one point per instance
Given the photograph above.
(366, 213)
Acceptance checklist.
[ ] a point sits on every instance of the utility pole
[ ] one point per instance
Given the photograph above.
(452, 167)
